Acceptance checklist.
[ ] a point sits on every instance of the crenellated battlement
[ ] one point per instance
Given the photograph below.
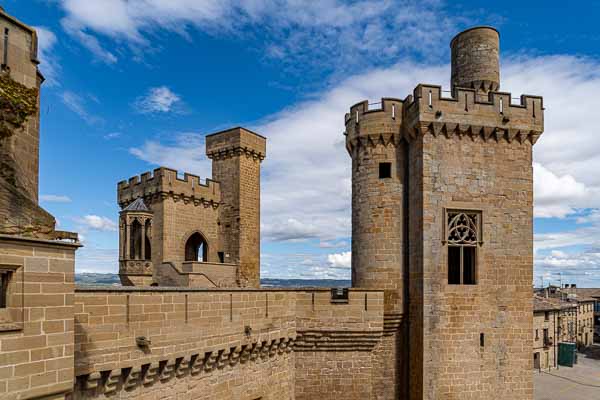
(467, 113)
(368, 125)
(165, 182)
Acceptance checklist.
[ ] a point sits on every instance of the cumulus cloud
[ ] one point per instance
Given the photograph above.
(48, 63)
(53, 198)
(340, 260)
(77, 104)
(328, 33)
(158, 100)
(98, 223)
(184, 152)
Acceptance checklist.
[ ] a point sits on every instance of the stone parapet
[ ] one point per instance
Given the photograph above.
(464, 114)
(164, 183)
(235, 142)
(368, 126)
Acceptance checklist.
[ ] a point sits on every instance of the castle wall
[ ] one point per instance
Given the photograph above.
(334, 348)
(497, 178)
(19, 153)
(201, 347)
(36, 328)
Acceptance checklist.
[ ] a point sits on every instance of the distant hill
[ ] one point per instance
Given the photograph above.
(87, 278)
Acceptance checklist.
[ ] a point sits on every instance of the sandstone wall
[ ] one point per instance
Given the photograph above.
(496, 178)
(36, 329)
(214, 344)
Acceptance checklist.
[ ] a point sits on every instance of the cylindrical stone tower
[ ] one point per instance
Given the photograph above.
(475, 60)
(377, 151)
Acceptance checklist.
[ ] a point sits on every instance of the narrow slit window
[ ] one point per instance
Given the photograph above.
(385, 170)
(5, 55)
(463, 236)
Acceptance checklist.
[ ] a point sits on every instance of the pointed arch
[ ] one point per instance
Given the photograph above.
(196, 248)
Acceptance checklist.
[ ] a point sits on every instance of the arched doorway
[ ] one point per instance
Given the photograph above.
(196, 248)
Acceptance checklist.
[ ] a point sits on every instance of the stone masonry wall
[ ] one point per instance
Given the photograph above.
(201, 346)
(203, 330)
(36, 338)
(21, 150)
(463, 172)
(334, 348)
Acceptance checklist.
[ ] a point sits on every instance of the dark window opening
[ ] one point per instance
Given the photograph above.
(461, 265)
(147, 244)
(537, 334)
(462, 237)
(4, 278)
(454, 265)
(221, 257)
(385, 170)
(196, 248)
(546, 337)
(481, 340)
(546, 315)
(135, 249)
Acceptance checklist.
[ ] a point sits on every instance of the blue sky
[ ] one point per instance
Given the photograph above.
(135, 84)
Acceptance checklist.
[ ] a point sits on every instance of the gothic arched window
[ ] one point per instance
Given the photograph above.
(196, 248)
(463, 234)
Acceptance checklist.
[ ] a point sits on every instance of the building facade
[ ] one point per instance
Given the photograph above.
(441, 303)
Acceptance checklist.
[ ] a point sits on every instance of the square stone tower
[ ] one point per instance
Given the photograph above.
(178, 231)
(20, 82)
(459, 198)
(236, 156)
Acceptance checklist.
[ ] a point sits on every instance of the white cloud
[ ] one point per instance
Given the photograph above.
(184, 153)
(93, 259)
(112, 135)
(340, 260)
(580, 267)
(328, 33)
(554, 194)
(158, 100)
(98, 223)
(53, 198)
(306, 180)
(46, 53)
(77, 104)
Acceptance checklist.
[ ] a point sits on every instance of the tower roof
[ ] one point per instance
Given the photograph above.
(137, 205)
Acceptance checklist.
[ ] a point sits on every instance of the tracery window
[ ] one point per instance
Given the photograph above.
(463, 235)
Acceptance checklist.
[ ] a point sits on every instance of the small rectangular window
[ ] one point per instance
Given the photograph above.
(4, 278)
(221, 257)
(481, 340)
(385, 170)
(546, 316)
(537, 334)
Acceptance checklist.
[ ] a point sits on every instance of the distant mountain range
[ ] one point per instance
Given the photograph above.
(113, 279)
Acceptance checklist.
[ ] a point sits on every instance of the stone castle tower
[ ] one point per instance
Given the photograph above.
(178, 231)
(20, 82)
(442, 210)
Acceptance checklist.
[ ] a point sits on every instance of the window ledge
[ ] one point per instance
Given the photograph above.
(10, 327)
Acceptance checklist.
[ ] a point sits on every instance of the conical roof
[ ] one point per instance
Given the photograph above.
(137, 205)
